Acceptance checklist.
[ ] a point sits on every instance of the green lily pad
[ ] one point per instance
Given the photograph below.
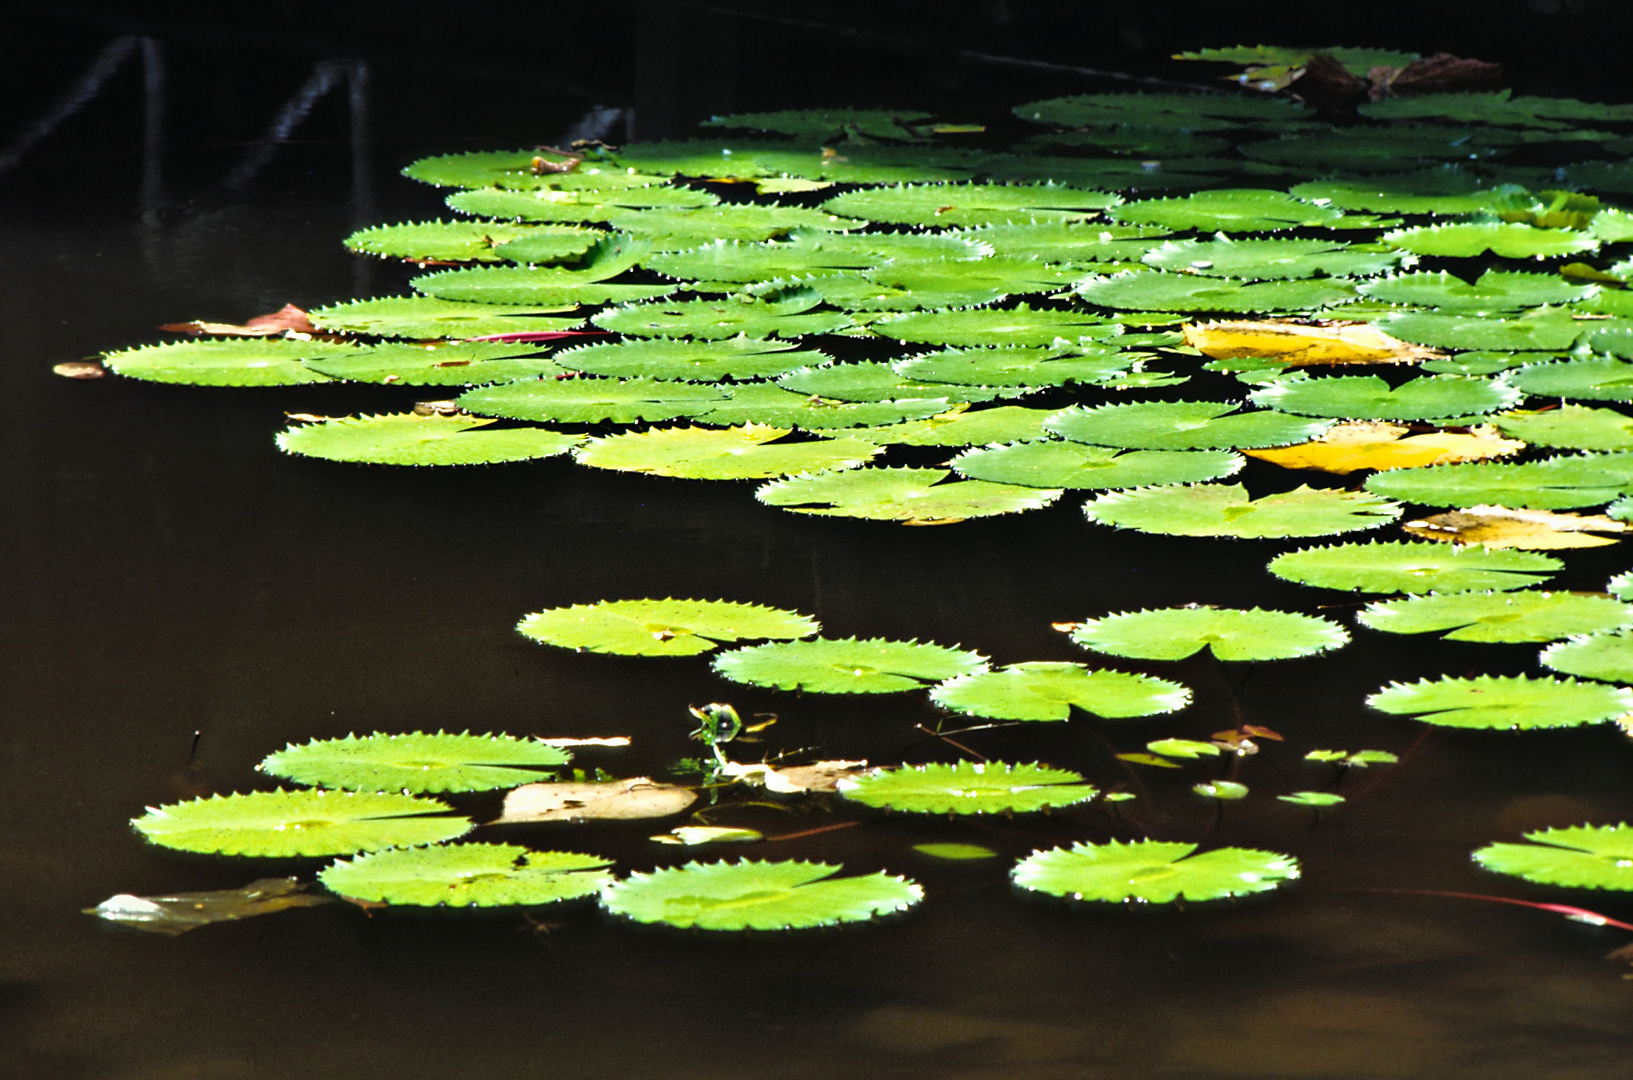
(1502, 703)
(467, 875)
(759, 404)
(1226, 510)
(1189, 111)
(681, 229)
(661, 627)
(847, 666)
(426, 318)
(914, 496)
(1268, 260)
(736, 453)
(1494, 107)
(1604, 656)
(1541, 329)
(690, 361)
(1005, 423)
(1070, 241)
(410, 439)
(1237, 210)
(876, 380)
(1187, 749)
(1369, 397)
(225, 362)
(1621, 586)
(1225, 790)
(1047, 690)
(945, 283)
(1375, 150)
(988, 787)
(1445, 189)
(1015, 366)
(1520, 615)
(1479, 362)
(1230, 633)
(1315, 799)
(1578, 857)
(589, 400)
(448, 363)
(514, 169)
(547, 285)
(1020, 325)
(825, 123)
(955, 851)
(1157, 290)
(1615, 338)
(787, 316)
(567, 205)
(415, 762)
(1511, 240)
(1494, 290)
(1413, 566)
(1152, 872)
(473, 241)
(1575, 427)
(1557, 483)
(1052, 464)
(1596, 378)
(1149, 142)
(1181, 425)
(964, 205)
(751, 895)
(285, 824)
(808, 252)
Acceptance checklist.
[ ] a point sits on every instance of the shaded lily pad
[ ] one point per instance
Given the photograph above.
(1268, 260)
(1441, 190)
(1230, 633)
(1556, 483)
(1511, 240)
(847, 666)
(410, 439)
(449, 363)
(1596, 378)
(467, 875)
(1152, 872)
(225, 362)
(737, 453)
(825, 123)
(1494, 290)
(1181, 425)
(1502, 703)
(691, 361)
(1576, 427)
(661, 627)
(1412, 566)
(1047, 690)
(914, 496)
(1237, 210)
(1189, 111)
(588, 400)
(1604, 656)
(1158, 290)
(425, 318)
(1369, 397)
(750, 895)
(1578, 856)
(954, 205)
(988, 787)
(1226, 510)
(1070, 241)
(1052, 464)
(1515, 616)
(415, 762)
(283, 824)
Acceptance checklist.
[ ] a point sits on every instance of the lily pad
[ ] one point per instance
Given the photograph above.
(284, 824)
(1189, 111)
(589, 400)
(1181, 425)
(1504, 703)
(1152, 872)
(680, 229)
(751, 895)
(1575, 427)
(425, 318)
(1237, 210)
(1578, 857)
(988, 787)
(786, 317)
(1047, 690)
(825, 123)
(661, 627)
(410, 439)
(450, 363)
(1445, 189)
(225, 362)
(914, 496)
(1412, 566)
(1369, 397)
(1015, 366)
(1226, 510)
(1053, 464)
(1542, 328)
(759, 404)
(847, 666)
(1315, 799)
(467, 875)
(964, 205)
(416, 762)
(515, 168)
(1595, 378)
(1494, 290)
(690, 361)
(1519, 615)
(1157, 290)
(737, 453)
(545, 285)
(1230, 633)
(472, 241)
(875, 380)
(1269, 260)
(1511, 240)
(1556, 483)
(1070, 241)
(570, 205)
(1006, 423)
(1020, 325)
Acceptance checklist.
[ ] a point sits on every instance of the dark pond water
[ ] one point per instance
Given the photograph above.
(167, 573)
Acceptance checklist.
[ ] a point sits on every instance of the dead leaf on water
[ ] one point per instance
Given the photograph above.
(613, 800)
(1301, 342)
(793, 779)
(80, 369)
(288, 318)
(436, 408)
(1371, 444)
(692, 835)
(181, 912)
(1530, 530)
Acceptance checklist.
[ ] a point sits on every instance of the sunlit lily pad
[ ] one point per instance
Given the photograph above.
(467, 875)
(1511, 240)
(1070, 241)
(1226, 510)
(1006, 423)
(691, 361)
(1494, 290)
(1576, 427)
(1269, 260)
(1237, 210)
(1441, 190)
(661, 627)
(1578, 857)
(876, 380)
(1152, 872)
(1230, 633)
(785, 317)
(755, 403)
(425, 318)
(1020, 325)
(1181, 425)
(283, 824)
(225, 362)
(515, 169)
(955, 205)
(847, 666)
(1557, 483)
(1048, 690)
(1502, 703)
(680, 229)
(987, 787)
(472, 241)
(1542, 328)
(1594, 378)
(808, 252)
(1369, 397)
(750, 895)
(416, 762)
(1014, 366)
(1053, 464)
(588, 400)
(1515, 616)
(448, 363)
(737, 453)
(1161, 291)
(570, 205)
(1605, 656)
(915, 496)
(410, 439)
(547, 285)
(1416, 567)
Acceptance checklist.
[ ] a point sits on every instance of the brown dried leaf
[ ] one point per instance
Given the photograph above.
(80, 369)
(287, 318)
(818, 776)
(1300, 342)
(1531, 530)
(613, 800)
(1372, 444)
(1326, 84)
(1432, 74)
(436, 408)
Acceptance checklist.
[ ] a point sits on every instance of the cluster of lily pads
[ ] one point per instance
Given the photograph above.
(1122, 246)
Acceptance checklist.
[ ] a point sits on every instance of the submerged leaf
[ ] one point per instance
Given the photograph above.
(1578, 856)
(913, 496)
(847, 665)
(1226, 510)
(1152, 872)
(416, 762)
(661, 627)
(1415, 567)
(988, 787)
(282, 824)
(1500, 703)
(1230, 633)
(1522, 615)
(737, 453)
(1047, 690)
(467, 875)
(410, 439)
(752, 895)
(608, 800)
(181, 912)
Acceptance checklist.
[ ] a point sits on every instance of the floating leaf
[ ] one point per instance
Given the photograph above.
(1555, 483)
(1494, 290)
(230, 362)
(1351, 446)
(846, 666)
(752, 895)
(988, 787)
(1540, 328)
(1069, 241)
(472, 241)
(874, 380)
(808, 253)
(521, 285)
(1152, 872)
(1606, 656)
(1052, 464)
(467, 875)
(1578, 857)
(448, 363)
(1237, 210)
(1297, 343)
(1442, 190)
(1500, 527)
(1225, 790)
(955, 851)
(1230, 633)
(680, 229)
(1502, 703)
(914, 496)
(1312, 798)
(1187, 110)
(1521, 615)
(1180, 425)
(516, 168)
(1006, 423)
(1268, 260)
(969, 204)
(283, 824)
(1226, 510)
(1509, 239)
(424, 318)
(1576, 427)
(1014, 366)
(588, 400)
(579, 205)
(1047, 690)
(1189, 749)
(737, 453)
(1369, 397)
(786, 317)
(1016, 326)
(822, 123)
(410, 439)
(759, 404)
(416, 762)
(661, 627)
(1155, 290)
(608, 800)
(793, 779)
(1596, 378)
(1415, 567)
(691, 361)
(181, 912)
(693, 835)
(1148, 759)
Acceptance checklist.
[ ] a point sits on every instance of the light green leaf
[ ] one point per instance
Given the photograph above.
(1542, 328)
(1312, 798)
(1226, 510)
(448, 363)
(1020, 325)
(876, 380)
(915, 496)
(847, 666)
(738, 453)
(1181, 425)
(588, 400)
(467, 875)
(514, 169)
(1556, 483)
(661, 627)
(473, 241)
(811, 252)
(1578, 857)
(1595, 378)
(1156, 290)
(1237, 210)
(225, 362)
(955, 205)
(1576, 427)
(1016, 366)
(1604, 656)
(1500, 703)
(425, 318)
(569, 205)
(1047, 690)
(1268, 260)
(692, 361)
(1369, 397)
(285, 824)
(548, 285)
(750, 895)
(989, 787)
(410, 439)
(1069, 241)
(1511, 240)
(955, 851)
(787, 316)
(1522, 615)
(1225, 790)
(1189, 749)
(755, 403)
(1494, 290)
(1230, 633)
(1006, 423)
(1445, 189)
(1052, 464)
(1413, 566)
(680, 229)
(945, 283)
(1152, 872)
(416, 762)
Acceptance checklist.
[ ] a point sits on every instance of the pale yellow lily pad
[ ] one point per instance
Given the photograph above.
(1372, 444)
(1530, 530)
(612, 800)
(1302, 342)
(793, 779)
